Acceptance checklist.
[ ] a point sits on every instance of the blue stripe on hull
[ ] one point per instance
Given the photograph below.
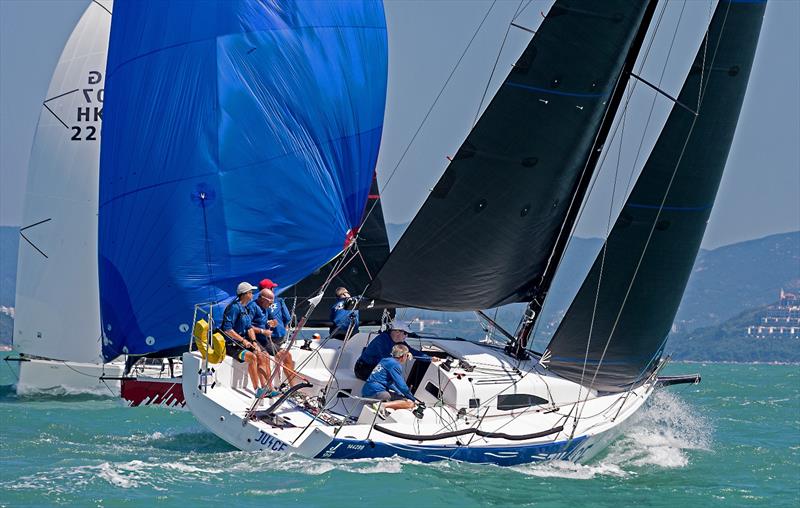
(501, 455)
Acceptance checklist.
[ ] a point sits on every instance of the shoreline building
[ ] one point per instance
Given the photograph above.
(779, 320)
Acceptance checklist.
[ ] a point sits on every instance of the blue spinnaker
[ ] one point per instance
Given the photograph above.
(239, 142)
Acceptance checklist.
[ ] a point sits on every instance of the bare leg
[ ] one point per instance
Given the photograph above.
(264, 368)
(399, 404)
(285, 358)
(252, 369)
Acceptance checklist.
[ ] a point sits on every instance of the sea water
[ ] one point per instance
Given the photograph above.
(733, 440)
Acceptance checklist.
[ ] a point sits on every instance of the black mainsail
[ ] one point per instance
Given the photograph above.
(485, 233)
(627, 303)
(373, 249)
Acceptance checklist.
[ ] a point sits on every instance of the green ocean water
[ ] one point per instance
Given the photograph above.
(733, 440)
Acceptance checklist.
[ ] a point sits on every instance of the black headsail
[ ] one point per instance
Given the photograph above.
(373, 249)
(627, 303)
(484, 235)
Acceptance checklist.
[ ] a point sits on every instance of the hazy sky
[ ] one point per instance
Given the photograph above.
(759, 192)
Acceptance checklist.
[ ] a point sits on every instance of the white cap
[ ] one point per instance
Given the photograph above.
(400, 325)
(244, 287)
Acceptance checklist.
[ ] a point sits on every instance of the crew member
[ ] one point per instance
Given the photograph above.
(343, 313)
(386, 382)
(270, 325)
(237, 325)
(381, 347)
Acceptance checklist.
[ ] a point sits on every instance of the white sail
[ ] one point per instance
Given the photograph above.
(57, 301)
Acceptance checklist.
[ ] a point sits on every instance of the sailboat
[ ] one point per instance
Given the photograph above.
(57, 327)
(248, 112)
(57, 322)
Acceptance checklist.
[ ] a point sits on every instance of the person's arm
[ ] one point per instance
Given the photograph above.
(417, 354)
(228, 318)
(397, 381)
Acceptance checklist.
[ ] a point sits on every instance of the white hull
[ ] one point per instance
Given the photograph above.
(546, 431)
(58, 377)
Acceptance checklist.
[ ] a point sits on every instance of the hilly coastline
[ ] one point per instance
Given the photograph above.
(728, 289)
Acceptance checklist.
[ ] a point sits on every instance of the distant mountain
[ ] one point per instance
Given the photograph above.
(731, 279)
(726, 286)
(730, 342)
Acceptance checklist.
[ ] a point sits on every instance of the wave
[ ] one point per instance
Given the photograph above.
(662, 435)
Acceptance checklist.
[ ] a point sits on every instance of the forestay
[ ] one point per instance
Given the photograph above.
(354, 272)
(626, 305)
(484, 235)
(240, 140)
(57, 301)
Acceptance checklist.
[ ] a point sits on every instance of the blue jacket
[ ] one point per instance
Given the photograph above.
(238, 317)
(280, 313)
(277, 311)
(341, 317)
(381, 347)
(387, 376)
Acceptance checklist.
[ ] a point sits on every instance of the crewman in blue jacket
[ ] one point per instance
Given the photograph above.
(386, 382)
(381, 347)
(343, 312)
(270, 327)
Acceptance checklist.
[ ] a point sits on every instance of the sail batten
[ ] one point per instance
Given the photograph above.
(626, 305)
(484, 235)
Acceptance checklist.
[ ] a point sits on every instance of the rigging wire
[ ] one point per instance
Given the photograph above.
(430, 109)
(666, 192)
(653, 103)
(605, 244)
(496, 60)
(601, 162)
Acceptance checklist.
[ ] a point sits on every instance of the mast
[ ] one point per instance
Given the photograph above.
(614, 332)
(518, 347)
(486, 231)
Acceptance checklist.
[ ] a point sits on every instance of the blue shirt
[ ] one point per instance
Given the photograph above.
(277, 311)
(381, 347)
(238, 318)
(386, 376)
(341, 317)
(280, 313)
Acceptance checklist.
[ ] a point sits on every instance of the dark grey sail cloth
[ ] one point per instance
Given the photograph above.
(373, 247)
(626, 305)
(483, 236)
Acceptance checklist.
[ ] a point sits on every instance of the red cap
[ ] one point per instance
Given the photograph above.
(266, 284)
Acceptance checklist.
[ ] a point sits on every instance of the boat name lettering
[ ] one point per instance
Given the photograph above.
(271, 442)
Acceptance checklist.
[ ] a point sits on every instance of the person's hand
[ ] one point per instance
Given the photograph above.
(272, 323)
(268, 333)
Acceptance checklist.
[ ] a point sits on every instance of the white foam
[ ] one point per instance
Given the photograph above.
(275, 492)
(114, 477)
(188, 468)
(375, 466)
(661, 435)
(571, 470)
